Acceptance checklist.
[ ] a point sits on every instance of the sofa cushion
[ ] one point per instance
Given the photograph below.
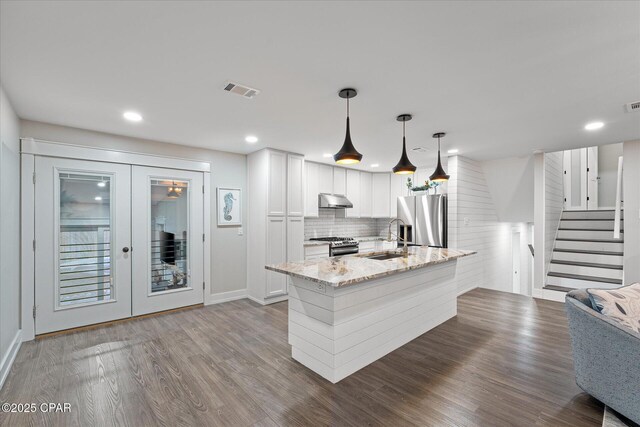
(621, 305)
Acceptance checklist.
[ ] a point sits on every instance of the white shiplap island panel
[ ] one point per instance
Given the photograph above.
(335, 330)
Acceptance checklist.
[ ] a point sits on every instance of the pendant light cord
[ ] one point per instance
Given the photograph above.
(347, 107)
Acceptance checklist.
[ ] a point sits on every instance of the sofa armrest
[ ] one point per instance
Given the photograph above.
(606, 358)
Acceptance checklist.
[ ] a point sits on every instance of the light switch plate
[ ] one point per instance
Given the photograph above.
(240, 231)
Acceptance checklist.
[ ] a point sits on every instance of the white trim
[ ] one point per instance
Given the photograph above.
(549, 295)
(60, 149)
(225, 297)
(27, 236)
(268, 301)
(206, 252)
(9, 357)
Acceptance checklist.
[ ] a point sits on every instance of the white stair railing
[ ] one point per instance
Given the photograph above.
(618, 213)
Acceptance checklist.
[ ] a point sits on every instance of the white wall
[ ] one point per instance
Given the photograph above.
(228, 250)
(554, 202)
(631, 178)
(9, 233)
(510, 182)
(608, 173)
(474, 224)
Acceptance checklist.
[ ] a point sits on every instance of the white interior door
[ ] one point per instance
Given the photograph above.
(592, 178)
(167, 239)
(82, 232)
(575, 179)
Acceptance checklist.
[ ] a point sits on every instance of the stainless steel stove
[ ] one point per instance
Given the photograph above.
(340, 245)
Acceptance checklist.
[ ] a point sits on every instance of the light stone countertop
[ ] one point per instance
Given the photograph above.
(347, 270)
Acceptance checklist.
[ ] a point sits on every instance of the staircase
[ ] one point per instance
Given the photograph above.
(585, 254)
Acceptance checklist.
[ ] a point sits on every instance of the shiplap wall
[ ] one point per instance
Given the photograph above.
(553, 204)
(473, 224)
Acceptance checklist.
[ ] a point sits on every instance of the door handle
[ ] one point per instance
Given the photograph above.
(125, 249)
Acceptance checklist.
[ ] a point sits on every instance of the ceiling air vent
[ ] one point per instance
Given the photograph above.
(633, 106)
(238, 89)
(420, 149)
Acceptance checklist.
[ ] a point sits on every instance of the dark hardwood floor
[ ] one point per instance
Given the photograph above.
(505, 360)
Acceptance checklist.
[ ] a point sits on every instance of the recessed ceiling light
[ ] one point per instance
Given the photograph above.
(327, 155)
(251, 139)
(594, 125)
(453, 151)
(375, 165)
(97, 198)
(132, 116)
(102, 184)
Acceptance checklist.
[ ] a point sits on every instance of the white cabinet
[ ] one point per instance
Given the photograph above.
(275, 221)
(366, 205)
(276, 253)
(295, 185)
(353, 193)
(398, 189)
(295, 239)
(325, 180)
(312, 189)
(381, 195)
(339, 181)
(277, 183)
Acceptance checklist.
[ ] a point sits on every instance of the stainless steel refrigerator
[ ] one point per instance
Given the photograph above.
(426, 218)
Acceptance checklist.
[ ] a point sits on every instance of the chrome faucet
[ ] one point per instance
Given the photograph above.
(405, 249)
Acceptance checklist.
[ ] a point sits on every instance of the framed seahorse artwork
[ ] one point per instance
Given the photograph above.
(229, 206)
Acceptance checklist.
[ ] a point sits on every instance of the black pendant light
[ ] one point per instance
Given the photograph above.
(348, 154)
(439, 175)
(404, 166)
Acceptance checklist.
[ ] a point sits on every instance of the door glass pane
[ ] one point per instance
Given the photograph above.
(169, 234)
(84, 238)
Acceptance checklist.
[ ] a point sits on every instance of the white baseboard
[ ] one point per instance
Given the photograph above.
(548, 295)
(9, 357)
(225, 297)
(269, 300)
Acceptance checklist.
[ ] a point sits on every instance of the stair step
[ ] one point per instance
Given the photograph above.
(587, 264)
(589, 224)
(594, 257)
(603, 214)
(606, 245)
(586, 270)
(586, 278)
(587, 234)
(557, 288)
(580, 251)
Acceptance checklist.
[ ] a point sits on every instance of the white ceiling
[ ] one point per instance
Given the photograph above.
(501, 78)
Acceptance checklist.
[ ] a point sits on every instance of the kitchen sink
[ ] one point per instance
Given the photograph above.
(384, 257)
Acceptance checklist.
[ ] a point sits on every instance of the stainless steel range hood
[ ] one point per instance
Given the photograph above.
(333, 201)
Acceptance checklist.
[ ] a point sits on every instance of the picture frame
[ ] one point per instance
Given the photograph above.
(229, 206)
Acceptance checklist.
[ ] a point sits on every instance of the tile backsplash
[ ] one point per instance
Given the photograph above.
(327, 225)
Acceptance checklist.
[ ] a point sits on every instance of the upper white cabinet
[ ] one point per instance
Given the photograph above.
(339, 181)
(312, 189)
(398, 189)
(325, 180)
(277, 184)
(381, 195)
(365, 195)
(295, 185)
(353, 193)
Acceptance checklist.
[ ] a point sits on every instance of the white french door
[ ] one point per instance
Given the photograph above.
(167, 239)
(581, 179)
(83, 233)
(96, 223)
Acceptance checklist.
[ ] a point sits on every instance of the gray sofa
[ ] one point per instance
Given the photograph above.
(606, 356)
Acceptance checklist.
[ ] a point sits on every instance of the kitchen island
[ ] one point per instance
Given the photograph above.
(347, 312)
